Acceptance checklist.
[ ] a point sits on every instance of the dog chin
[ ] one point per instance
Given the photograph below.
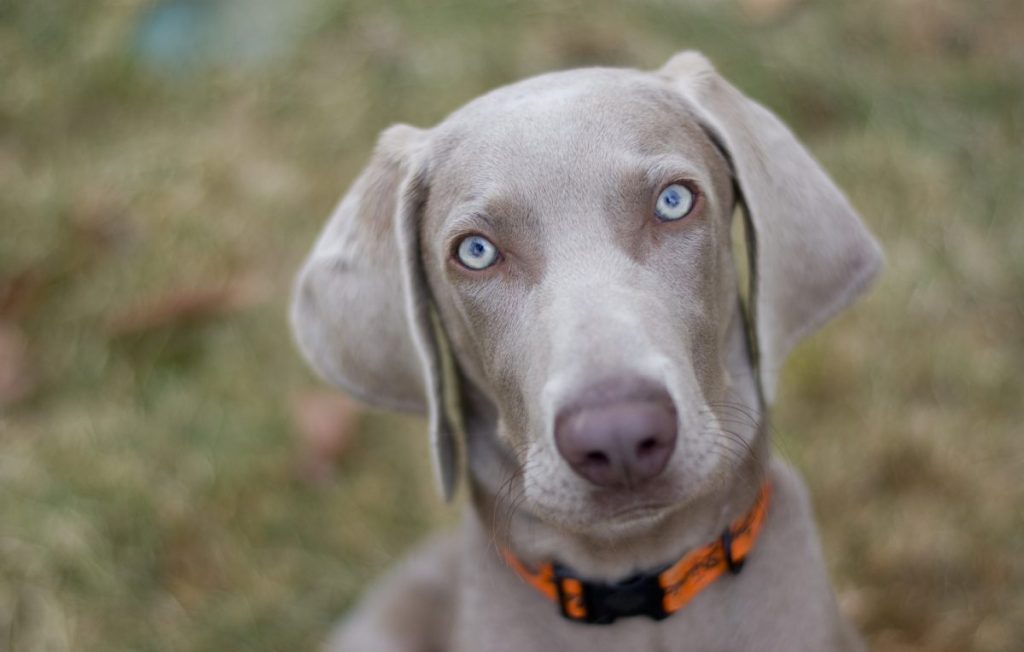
(636, 520)
(613, 515)
(605, 524)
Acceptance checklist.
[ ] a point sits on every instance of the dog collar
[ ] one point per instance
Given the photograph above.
(657, 594)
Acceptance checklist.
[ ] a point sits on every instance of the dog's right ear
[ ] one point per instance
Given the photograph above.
(362, 312)
(349, 305)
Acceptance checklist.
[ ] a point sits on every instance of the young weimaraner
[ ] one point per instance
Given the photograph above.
(549, 275)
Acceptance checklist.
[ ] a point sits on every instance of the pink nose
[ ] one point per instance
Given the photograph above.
(620, 435)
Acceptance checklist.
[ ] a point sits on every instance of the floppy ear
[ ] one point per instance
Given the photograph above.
(361, 311)
(811, 253)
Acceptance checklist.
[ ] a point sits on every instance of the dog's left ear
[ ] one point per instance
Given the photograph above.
(811, 253)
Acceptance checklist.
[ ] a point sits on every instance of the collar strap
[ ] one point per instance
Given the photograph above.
(657, 594)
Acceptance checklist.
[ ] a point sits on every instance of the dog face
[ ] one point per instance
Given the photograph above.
(590, 307)
(567, 239)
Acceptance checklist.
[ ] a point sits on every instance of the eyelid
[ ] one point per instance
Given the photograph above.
(661, 170)
(467, 223)
(687, 183)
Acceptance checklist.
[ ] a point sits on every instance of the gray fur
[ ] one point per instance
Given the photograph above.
(560, 172)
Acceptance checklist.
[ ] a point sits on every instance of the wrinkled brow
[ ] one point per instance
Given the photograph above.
(467, 219)
(639, 177)
(656, 170)
(490, 210)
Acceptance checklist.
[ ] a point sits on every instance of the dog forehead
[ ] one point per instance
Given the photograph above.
(557, 118)
(546, 96)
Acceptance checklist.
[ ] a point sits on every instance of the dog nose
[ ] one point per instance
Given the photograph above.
(618, 438)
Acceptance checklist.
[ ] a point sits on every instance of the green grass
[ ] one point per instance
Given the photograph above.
(148, 492)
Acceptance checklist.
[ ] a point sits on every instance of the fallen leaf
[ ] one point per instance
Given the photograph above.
(16, 380)
(326, 423)
(95, 230)
(184, 306)
(20, 293)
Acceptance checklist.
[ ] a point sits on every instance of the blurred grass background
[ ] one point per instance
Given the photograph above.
(164, 166)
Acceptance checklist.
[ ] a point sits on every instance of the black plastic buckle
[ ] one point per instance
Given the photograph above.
(735, 565)
(640, 595)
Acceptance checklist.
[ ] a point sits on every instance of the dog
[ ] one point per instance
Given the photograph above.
(549, 275)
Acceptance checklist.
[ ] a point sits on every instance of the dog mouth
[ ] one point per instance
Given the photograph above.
(642, 512)
(632, 506)
(614, 512)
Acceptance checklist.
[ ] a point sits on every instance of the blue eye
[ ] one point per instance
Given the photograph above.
(675, 202)
(477, 252)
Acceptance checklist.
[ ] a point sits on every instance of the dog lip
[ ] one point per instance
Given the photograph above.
(630, 505)
(638, 512)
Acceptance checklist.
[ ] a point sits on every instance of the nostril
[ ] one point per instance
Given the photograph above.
(597, 458)
(647, 446)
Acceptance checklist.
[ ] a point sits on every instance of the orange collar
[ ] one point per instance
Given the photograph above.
(657, 594)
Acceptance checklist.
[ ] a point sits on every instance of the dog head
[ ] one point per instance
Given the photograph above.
(566, 240)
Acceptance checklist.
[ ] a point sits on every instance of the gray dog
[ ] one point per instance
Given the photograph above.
(549, 275)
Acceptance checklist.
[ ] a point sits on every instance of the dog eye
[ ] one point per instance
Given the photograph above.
(477, 252)
(674, 203)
